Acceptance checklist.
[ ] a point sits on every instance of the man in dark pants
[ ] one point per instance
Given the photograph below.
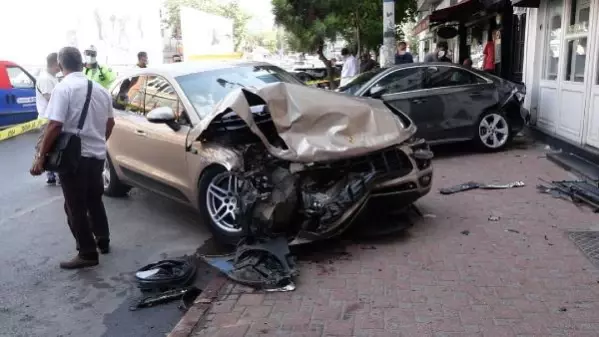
(75, 98)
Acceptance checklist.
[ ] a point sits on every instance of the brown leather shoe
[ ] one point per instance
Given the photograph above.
(79, 262)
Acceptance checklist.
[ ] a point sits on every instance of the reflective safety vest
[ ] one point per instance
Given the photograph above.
(101, 74)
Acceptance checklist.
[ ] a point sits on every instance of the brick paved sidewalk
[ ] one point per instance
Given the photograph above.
(528, 281)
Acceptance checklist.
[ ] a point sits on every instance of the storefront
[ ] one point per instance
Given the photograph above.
(561, 69)
(482, 22)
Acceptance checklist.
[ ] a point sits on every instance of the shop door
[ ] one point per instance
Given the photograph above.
(519, 32)
(592, 124)
(574, 74)
(550, 59)
(592, 136)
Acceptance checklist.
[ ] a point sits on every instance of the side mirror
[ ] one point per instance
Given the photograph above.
(377, 91)
(164, 115)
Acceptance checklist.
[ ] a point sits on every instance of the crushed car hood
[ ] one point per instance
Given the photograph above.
(316, 125)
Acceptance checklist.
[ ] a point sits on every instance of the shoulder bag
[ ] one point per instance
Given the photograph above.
(66, 152)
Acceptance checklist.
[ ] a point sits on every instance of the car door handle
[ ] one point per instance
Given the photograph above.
(476, 94)
(140, 132)
(418, 101)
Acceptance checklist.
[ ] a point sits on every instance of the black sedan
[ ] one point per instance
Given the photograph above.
(449, 103)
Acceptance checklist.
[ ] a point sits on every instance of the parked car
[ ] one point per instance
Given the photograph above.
(300, 159)
(448, 102)
(17, 95)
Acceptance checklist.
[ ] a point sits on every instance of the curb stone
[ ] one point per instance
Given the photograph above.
(200, 307)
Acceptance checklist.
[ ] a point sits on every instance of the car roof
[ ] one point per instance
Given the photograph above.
(426, 64)
(7, 63)
(185, 68)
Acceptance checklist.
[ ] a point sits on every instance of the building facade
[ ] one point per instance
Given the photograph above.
(472, 27)
(562, 70)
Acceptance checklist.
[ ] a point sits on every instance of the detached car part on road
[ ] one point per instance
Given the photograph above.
(449, 103)
(276, 159)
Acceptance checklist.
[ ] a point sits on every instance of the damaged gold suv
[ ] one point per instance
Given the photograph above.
(253, 149)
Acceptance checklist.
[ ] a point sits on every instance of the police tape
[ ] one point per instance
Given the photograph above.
(22, 128)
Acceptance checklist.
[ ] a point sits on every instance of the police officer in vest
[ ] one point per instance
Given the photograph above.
(95, 72)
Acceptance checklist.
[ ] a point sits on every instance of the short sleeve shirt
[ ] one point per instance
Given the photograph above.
(66, 105)
(489, 53)
(44, 86)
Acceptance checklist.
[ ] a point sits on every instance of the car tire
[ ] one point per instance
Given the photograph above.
(113, 187)
(493, 131)
(206, 199)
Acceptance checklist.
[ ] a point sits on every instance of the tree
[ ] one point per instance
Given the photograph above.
(412, 40)
(359, 22)
(267, 40)
(228, 9)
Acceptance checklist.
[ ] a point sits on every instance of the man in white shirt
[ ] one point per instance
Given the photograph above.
(350, 67)
(43, 90)
(82, 188)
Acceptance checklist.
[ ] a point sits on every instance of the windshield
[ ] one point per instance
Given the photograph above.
(207, 88)
(355, 84)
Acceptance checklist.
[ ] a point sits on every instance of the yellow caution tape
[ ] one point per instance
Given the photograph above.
(21, 128)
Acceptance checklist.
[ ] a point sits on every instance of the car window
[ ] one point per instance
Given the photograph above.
(128, 95)
(403, 80)
(160, 93)
(439, 77)
(19, 78)
(354, 85)
(207, 88)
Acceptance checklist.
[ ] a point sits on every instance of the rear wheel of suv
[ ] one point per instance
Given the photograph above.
(112, 184)
(218, 204)
(493, 131)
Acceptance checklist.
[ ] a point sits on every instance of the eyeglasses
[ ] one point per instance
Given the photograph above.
(90, 53)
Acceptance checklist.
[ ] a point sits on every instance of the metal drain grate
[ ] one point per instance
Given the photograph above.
(588, 243)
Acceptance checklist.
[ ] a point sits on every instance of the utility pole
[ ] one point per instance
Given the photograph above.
(388, 32)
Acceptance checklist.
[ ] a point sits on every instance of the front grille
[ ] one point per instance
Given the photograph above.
(390, 160)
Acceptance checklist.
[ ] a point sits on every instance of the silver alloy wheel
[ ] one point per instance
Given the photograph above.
(221, 199)
(106, 174)
(493, 131)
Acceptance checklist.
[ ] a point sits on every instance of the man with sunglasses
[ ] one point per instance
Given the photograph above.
(96, 72)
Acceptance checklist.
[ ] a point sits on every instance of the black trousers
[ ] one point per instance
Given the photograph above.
(84, 207)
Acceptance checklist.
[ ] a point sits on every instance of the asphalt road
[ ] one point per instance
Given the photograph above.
(39, 299)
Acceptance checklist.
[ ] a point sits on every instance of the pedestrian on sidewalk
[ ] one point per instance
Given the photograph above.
(95, 71)
(467, 63)
(367, 63)
(350, 67)
(439, 54)
(402, 55)
(76, 96)
(142, 59)
(43, 91)
(489, 53)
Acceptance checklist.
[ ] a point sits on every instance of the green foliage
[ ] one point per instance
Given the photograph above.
(359, 22)
(266, 40)
(228, 9)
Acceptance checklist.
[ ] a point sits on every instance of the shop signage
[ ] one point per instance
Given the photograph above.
(421, 26)
(447, 32)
